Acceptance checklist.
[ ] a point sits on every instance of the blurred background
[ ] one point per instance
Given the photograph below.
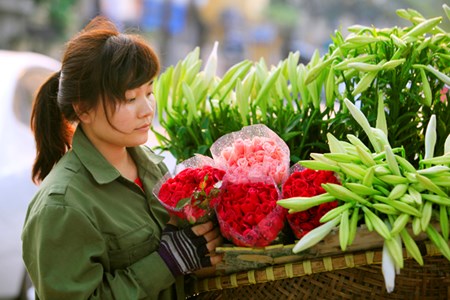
(244, 28)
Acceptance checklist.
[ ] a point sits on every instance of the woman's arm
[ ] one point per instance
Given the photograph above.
(67, 258)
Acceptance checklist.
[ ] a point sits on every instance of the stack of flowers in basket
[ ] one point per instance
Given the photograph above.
(190, 193)
(304, 182)
(240, 186)
(256, 161)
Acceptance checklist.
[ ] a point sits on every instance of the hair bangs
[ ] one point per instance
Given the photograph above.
(145, 67)
(129, 63)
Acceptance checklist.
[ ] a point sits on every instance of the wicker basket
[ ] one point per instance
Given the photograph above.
(355, 274)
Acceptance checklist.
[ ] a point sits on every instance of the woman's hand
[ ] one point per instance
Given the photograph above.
(190, 249)
(213, 239)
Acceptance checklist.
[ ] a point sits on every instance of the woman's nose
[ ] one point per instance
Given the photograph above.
(148, 106)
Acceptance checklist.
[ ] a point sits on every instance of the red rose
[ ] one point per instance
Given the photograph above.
(248, 214)
(189, 194)
(307, 183)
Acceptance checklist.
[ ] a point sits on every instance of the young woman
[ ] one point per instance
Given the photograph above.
(94, 230)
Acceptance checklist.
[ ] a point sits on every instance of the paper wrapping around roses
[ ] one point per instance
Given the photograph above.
(253, 154)
(248, 214)
(182, 184)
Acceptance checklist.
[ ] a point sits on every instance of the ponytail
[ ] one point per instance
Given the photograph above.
(52, 131)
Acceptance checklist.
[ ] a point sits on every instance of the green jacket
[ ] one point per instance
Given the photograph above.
(92, 234)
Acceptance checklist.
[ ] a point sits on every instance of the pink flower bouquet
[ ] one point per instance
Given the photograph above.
(190, 193)
(252, 153)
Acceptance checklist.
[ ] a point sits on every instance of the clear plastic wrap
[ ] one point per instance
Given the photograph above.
(248, 214)
(256, 161)
(252, 154)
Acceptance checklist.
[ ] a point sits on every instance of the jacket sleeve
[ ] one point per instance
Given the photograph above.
(65, 256)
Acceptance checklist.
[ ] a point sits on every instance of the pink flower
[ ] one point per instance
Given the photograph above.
(444, 92)
(256, 161)
(253, 154)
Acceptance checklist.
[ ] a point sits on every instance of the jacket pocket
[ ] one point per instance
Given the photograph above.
(132, 246)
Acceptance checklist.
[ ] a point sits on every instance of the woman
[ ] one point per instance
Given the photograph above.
(94, 230)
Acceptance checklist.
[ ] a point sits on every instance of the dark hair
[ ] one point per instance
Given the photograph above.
(99, 64)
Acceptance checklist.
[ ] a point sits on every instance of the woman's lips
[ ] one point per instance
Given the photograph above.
(143, 127)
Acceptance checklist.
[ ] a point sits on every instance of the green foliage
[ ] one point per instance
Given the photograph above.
(60, 13)
(405, 67)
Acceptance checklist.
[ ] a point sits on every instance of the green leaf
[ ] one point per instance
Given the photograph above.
(182, 203)
(191, 105)
(230, 77)
(288, 136)
(267, 85)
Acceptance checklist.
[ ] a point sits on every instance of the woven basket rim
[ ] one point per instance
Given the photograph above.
(301, 268)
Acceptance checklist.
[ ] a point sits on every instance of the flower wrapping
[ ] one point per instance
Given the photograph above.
(248, 214)
(252, 154)
(189, 194)
(305, 182)
(256, 161)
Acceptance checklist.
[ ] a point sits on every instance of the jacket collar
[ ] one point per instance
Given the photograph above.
(145, 158)
(102, 171)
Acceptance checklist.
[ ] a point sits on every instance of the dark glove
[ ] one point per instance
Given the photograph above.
(182, 250)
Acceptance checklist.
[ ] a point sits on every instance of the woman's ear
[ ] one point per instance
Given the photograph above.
(85, 116)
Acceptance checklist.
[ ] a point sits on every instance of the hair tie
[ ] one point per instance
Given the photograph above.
(59, 94)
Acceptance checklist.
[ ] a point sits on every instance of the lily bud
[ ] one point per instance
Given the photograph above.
(364, 123)
(430, 138)
(315, 235)
(388, 269)
(447, 145)
(211, 64)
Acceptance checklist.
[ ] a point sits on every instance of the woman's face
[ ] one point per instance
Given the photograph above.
(128, 126)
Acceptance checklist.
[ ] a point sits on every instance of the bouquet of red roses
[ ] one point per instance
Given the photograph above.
(248, 213)
(256, 160)
(305, 182)
(190, 193)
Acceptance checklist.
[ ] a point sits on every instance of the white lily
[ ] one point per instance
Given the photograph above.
(447, 145)
(364, 123)
(211, 64)
(315, 235)
(430, 137)
(388, 269)
(381, 137)
(381, 116)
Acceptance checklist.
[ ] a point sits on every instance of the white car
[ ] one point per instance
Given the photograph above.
(21, 74)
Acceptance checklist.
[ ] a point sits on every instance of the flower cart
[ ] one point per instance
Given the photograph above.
(325, 272)
(344, 261)
(373, 112)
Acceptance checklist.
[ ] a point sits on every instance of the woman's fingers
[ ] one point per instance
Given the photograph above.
(213, 239)
(212, 234)
(216, 259)
(214, 243)
(201, 229)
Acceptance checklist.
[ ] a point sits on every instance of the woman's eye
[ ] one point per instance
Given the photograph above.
(131, 99)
